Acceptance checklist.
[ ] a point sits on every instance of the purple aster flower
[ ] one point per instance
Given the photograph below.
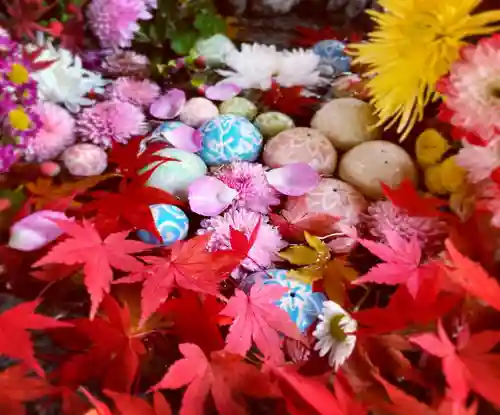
(383, 216)
(264, 250)
(110, 121)
(138, 92)
(8, 157)
(249, 180)
(114, 22)
(27, 93)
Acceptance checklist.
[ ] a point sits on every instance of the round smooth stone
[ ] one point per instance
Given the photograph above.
(197, 111)
(301, 145)
(85, 159)
(346, 122)
(294, 299)
(273, 123)
(171, 222)
(229, 138)
(175, 177)
(332, 54)
(239, 106)
(215, 49)
(367, 165)
(336, 198)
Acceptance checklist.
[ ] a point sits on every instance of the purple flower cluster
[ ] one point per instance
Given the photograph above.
(18, 95)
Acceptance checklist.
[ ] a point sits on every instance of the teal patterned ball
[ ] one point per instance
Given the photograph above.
(229, 138)
(171, 222)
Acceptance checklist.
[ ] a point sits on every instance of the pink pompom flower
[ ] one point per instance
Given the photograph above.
(267, 244)
(110, 121)
(138, 92)
(383, 216)
(115, 22)
(56, 134)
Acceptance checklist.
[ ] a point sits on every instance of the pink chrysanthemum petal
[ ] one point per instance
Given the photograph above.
(222, 91)
(168, 106)
(138, 92)
(208, 196)
(293, 179)
(479, 161)
(265, 248)
(110, 121)
(249, 180)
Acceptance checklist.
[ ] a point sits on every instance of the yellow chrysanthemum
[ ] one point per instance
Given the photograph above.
(18, 74)
(19, 120)
(433, 180)
(414, 45)
(453, 176)
(430, 147)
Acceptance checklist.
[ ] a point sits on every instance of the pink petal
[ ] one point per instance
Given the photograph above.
(169, 105)
(222, 91)
(208, 196)
(36, 230)
(184, 138)
(293, 179)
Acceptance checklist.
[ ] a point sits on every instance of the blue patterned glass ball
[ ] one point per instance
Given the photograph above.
(332, 54)
(229, 138)
(299, 301)
(171, 222)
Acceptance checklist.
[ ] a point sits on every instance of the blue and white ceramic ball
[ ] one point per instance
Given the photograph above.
(332, 54)
(302, 305)
(228, 138)
(171, 222)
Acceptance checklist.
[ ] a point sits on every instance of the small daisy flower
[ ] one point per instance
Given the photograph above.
(336, 334)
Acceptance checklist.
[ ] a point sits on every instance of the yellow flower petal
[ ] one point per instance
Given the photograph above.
(299, 255)
(430, 147)
(453, 177)
(18, 74)
(19, 120)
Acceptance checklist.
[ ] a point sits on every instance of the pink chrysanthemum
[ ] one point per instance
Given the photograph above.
(110, 121)
(138, 92)
(472, 91)
(114, 22)
(249, 180)
(383, 216)
(264, 250)
(56, 134)
(479, 161)
(126, 62)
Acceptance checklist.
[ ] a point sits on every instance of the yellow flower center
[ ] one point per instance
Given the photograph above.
(18, 74)
(19, 119)
(336, 330)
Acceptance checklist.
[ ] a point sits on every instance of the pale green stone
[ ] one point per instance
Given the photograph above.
(175, 177)
(272, 123)
(215, 49)
(239, 106)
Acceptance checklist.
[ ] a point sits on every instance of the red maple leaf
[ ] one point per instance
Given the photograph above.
(402, 263)
(133, 405)
(257, 319)
(85, 246)
(405, 311)
(16, 342)
(130, 161)
(406, 197)
(468, 365)
(288, 100)
(129, 208)
(226, 377)
(310, 395)
(294, 221)
(308, 36)
(188, 265)
(107, 349)
(16, 389)
(195, 319)
(24, 15)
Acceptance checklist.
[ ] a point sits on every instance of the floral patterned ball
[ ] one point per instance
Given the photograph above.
(299, 301)
(171, 222)
(229, 138)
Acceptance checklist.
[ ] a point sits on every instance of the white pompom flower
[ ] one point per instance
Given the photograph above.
(336, 334)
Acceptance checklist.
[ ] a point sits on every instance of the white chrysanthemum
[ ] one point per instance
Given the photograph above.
(335, 333)
(298, 67)
(66, 82)
(252, 67)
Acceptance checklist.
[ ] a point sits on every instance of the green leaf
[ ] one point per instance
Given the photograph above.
(209, 24)
(182, 42)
